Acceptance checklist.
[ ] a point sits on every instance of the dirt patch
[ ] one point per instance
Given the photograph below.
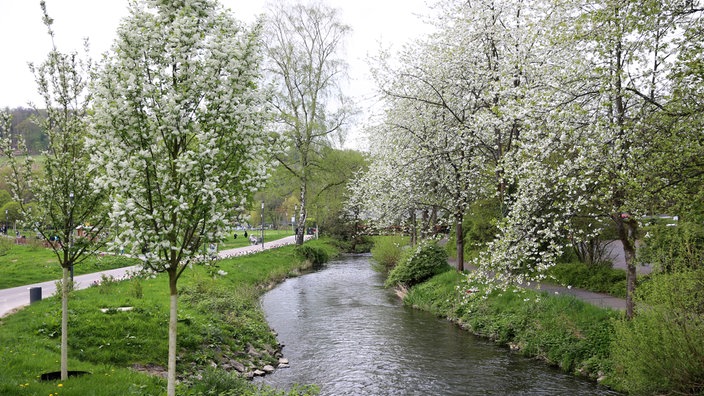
(151, 369)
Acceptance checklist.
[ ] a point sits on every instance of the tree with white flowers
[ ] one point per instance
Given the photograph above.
(56, 195)
(604, 150)
(178, 129)
(459, 100)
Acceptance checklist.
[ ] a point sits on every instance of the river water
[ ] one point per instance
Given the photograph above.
(345, 332)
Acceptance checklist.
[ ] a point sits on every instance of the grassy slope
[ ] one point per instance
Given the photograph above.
(558, 329)
(220, 319)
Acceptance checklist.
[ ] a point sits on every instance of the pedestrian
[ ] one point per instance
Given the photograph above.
(245, 233)
(235, 235)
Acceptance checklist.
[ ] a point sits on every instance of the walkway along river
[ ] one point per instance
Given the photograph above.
(344, 332)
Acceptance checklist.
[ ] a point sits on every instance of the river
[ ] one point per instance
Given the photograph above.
(342, 330)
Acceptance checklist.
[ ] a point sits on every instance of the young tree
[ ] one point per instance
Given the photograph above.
(303, 61)
(63, 196)
(179, 131)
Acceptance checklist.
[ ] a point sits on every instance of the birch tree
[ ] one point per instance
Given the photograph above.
(304, 63)
(178, 128)
(60, 186)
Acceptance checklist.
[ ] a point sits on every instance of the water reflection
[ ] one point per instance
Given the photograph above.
(344, 332)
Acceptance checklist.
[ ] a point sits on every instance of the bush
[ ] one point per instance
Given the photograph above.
(358, 244)
(480, 224)
(600, 278)
(661, 350)
(674, 248)
(313, 254)
(419, 264)
(387, 251)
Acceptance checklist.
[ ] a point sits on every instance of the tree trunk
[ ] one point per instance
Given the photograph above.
(459, 237)
(301, 230)
(414, 229)
(64, 323)
(626, 229)
(173, 320)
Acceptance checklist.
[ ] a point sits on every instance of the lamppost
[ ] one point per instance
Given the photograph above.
(262, 225)
(5, 221)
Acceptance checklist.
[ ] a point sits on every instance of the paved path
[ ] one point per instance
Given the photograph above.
(289, 240)
(18, 297)
(598, 299)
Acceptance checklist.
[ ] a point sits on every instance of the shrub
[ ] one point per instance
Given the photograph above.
(599, 278)
(420, 264)
(674, 248)
(661, 350)
(314, 254)
(480, 223)
(386, 252)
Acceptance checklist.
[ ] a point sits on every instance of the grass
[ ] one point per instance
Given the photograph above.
(219, 321)
(560, 330)
(32, 263)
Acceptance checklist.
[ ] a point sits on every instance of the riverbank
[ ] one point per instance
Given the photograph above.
(118, 331)
(557, 329)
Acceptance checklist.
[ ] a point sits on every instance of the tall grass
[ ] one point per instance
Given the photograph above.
(387, 251)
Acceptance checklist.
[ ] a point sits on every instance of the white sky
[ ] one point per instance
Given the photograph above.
(23, 38)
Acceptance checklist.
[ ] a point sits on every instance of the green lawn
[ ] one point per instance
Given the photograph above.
(220, 319)
(31, 263)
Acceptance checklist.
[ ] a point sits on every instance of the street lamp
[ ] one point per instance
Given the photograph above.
(262, 225)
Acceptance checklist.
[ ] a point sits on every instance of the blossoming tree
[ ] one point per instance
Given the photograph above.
(453, 101)
(56, 195)
(178, 129)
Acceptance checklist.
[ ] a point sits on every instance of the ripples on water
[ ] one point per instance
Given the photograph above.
(344, 332)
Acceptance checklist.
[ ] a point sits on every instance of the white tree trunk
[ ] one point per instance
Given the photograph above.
(173, 318)
(64, 324)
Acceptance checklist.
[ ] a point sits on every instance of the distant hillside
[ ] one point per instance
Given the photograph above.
(25, 123)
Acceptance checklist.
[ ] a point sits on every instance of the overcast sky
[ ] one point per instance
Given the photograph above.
(23, 37)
